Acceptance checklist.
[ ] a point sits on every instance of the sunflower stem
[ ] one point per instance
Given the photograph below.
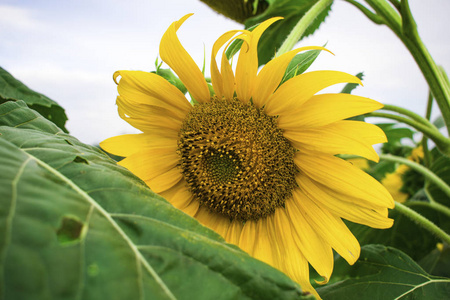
(422, 221)
(408, 113)
(402, 23)
(434, 205)
(427, 173)
(299, 29)
(374, 17)
(424, 142)
(442, 142)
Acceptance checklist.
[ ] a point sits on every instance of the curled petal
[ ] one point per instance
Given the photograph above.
(247, 65)
(173, 53)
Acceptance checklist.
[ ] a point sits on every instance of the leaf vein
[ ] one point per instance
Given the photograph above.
(11, 214)
(107, 216)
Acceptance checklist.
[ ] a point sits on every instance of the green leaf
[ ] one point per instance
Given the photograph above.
(396, 137)
(439, 122)
(300, 63)
(384, 273)
(238, 10)
(349, 87)
(274, 36)
(437, 262)
(236, 44)
(13, 89)
(172, 78)
(75, 225)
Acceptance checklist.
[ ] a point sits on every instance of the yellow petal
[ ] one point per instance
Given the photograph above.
(248, 237)
(185, 201)
(128, 144)
(341, 137)
(324, 109)
(292, 94)
(344, 206)
(173, 53)
(146, 118)
(216, 222)
(317, 251)
(151, 90)
(343, 177)
(165, 181)
(170, 193)
(216, 77)
(229, 82)
(328, 226)
(393, 182)
(158, 168)
(272, 73)
(234, 232)
(291, 259)
(266, 249)
(180, 197)
(247, 65)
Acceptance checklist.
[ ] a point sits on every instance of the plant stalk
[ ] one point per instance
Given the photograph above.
(422, 221)
(303, 24)
(405, 28)
(427, 173)
(434, 205)
(442, 142)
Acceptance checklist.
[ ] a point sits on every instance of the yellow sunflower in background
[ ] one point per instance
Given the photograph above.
(256, 161)
(395, 181)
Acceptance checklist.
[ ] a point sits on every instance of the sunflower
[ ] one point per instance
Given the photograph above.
(255, 160)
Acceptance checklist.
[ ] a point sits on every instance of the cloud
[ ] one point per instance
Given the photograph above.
(18, 18)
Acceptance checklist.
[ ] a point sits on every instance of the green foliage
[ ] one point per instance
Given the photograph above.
(384, 273)
(13, 89)
(274, 36)
(437, 262)
(349, 87)
(397, 138)
(74, 225)
(168, 75)
(441, 167)
(405, 234)
(238, 10)
(300, 63)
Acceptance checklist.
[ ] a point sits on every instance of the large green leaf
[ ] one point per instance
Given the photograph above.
(74, 225)
(13, 89)
(437, 262)
(274, 36)
(238, 10)
(384, 273)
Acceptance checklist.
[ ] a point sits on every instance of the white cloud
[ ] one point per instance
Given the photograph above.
(18, 18)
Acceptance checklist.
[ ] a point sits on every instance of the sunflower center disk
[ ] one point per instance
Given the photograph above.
(236, 160)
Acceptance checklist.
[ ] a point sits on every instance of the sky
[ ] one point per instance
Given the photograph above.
(69, 49)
